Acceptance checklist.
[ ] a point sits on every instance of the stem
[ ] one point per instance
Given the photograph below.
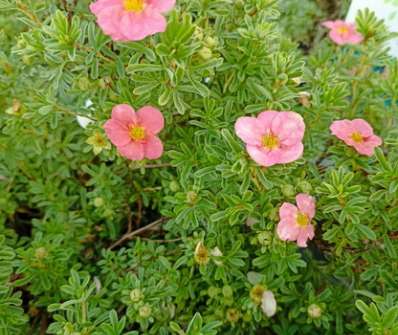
(129, 236)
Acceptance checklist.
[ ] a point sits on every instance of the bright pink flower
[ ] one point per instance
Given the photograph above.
(272, 137)
(343, 32)
(295, 222)
(131, 20)
(134, 133)
(358, 134)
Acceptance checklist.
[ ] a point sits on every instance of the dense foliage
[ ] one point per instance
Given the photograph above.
(92, 243)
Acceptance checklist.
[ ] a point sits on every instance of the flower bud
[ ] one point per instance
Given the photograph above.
(233, 315)
(305, 186)
(145, 311)
(201, 254)
(192, 197)
(205, 53)
(288, 190)
(227, 291)
(98, 202)
(174, 187)
(314, 311)
(136, 295)
(210, 42)
(41, 253)
(264, 238)
(304, 99)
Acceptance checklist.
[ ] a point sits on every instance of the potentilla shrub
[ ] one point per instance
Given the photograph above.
(182, 168)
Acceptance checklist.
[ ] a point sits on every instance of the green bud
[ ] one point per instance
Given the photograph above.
(41, 253)
(145, 311)
(136, 295)
(227, 291)
(205, 53)
(305, 186)
(288, 190)
(98, 202)
(314, 311)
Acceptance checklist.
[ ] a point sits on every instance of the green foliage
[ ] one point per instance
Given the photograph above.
(67, 200)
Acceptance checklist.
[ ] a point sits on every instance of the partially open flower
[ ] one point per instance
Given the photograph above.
(131, 20)
(201, 254)
(272, 137)
(314, 311)
(256, 293)
(342, 32)
(358, 134)
(134, 133)
(98, 142)
(295, 222)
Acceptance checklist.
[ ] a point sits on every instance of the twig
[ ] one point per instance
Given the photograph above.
(162, 241)
(139, 212)
(129, 236)
(153, 166)
(129, 219)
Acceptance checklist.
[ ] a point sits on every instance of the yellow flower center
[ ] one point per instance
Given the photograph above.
(270, 141)
(137, 133)
(343, 30)
(357, 137)
(302, 219)
(135, 6)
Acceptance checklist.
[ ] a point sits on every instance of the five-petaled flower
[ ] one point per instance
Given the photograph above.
(342, 32)
(134, 133)
(358, 134)
(295, 221)
(272, 137)
(131, 20)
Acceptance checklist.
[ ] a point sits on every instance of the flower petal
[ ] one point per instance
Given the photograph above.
(305, 234)
(248, 130)
(117, 132)
(153, 148)
(306, 204)
(162, 5)
(289, 127)
(261, 156)
(287, 230)
(288, 211)
(124, 114)
(362, 127)
(151, 118)
(133, 151)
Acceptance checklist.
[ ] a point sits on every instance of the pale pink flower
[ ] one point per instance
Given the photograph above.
(295, 222)
(131, 20)
(272, 137)
(358, 134)
(134, 133)
(342, 32)
(268, 303)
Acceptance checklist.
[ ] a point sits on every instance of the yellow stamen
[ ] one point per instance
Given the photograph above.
(270, 141)
(357, 137)
(135, 6)
(343, 30)
(302, 219)
(137, 133)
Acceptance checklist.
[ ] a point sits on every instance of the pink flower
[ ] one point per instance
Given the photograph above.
(134, 133)
(295, 222)
(358, 134)
(343, 32)
(131, 20)
(272, 137)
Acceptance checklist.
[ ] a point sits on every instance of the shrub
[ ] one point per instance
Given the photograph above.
(95, 243)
